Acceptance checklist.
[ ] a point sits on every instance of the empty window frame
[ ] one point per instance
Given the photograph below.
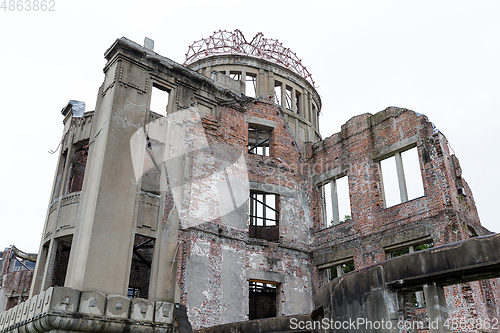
(264, 215)
(298, 102)
(159, 99)
(394, 252)
(278, 90)
(23, 264)
(339, 269)
(401, 177)
(336, 201)
(263, 209)
(235, 75)
(61, 261)
(133, 292)
(251, 85)
(77, 167)
(60, 175)
(262, 300)
(258, 140)
(288, 97)
(314, 115)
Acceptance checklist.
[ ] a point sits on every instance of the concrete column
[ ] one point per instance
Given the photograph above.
(49, 265)
(294, 106)
(270, 79)
(437, 310)
(103, 239)
(335, 202)
(244, 80)
(393, 306)
(401, 178)
(339, 270)
(309, 108)
(283, 95)
(262, 84)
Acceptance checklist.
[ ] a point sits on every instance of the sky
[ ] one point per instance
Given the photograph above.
(439, 58)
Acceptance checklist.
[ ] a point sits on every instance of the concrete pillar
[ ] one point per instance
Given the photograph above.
(393, 307)
(103, 241)
(335, 202)
(271, 85)
(262, 84)
(294, 106)
(244, 80)
(49, 265)
(283, 95)
(339, 270)
(437, 310)
(401, 178)
(309, 108)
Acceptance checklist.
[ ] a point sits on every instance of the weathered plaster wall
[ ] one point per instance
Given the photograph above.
(218, 257)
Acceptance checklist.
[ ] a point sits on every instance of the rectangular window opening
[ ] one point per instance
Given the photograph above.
(77, 167)
(262, 300)
(413, 175)
(21, 264)
(264, 215)
(390, 181)
(340, 269)
(159, 100)
(401, 177)
(258, 141)
(288, 96)
(278, 86)
(60, 175)
(251, 85)
(235, 75)
(61, 262)
(298, 98)
(140, 270)
(336, 201)
(400, 251)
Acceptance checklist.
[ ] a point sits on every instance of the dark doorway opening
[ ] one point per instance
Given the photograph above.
(140, 270)
(61, 261)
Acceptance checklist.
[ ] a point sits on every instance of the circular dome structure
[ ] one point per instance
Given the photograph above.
(227, 42)
(265, 69)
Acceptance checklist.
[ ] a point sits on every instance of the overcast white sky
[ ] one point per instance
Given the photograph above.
(440, 58)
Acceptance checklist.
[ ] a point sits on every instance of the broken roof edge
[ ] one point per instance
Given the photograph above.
(372, 120)
(152, 56)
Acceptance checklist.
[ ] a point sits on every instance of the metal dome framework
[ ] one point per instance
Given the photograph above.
(228, 42)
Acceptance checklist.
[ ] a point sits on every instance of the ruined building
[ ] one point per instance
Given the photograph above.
(224, 204)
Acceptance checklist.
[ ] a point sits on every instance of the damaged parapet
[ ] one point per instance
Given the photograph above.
(62, 308)
(77, 107)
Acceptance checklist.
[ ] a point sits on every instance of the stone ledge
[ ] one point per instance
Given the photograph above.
(62, 308)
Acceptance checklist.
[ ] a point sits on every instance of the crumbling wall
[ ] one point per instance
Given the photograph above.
(380, 292)
(14, 284)
(446, 213)
(217, 258)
